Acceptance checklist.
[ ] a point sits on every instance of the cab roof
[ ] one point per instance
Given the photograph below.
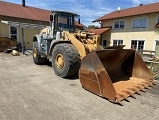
(61, 11)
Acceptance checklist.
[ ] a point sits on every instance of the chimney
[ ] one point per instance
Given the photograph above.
(23, 3)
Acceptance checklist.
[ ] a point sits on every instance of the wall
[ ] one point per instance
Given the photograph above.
(149, 34)
(28, 36)
(4, 30)
(107, 36)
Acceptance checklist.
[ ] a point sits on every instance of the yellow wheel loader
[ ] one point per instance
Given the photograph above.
(113, 72)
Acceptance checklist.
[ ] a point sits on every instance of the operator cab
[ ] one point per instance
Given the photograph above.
(63, 21)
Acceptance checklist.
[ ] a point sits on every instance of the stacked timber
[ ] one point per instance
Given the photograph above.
(6, 43)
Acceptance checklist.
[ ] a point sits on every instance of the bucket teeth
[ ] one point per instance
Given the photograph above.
(125, 94)
(150, 85)
(138, 93)
(132, 89)
(147, 82)
(143, 85)
(143, 90)
(147, 88)
(138, 87)
(128, 92)
(118, 101)
(126, 99)
(135, 89)
(154, 83)
(133, 96)
(119, 98)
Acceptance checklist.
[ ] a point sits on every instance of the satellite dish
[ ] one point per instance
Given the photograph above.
(118, 9)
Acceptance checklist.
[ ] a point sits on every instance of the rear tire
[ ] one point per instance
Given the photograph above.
(36, 57)
(65, 60)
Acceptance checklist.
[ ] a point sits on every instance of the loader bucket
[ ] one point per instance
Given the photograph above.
(114, 74)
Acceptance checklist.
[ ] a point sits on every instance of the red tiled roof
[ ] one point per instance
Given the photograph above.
(18, 11)
(98, 31)
(139, 10)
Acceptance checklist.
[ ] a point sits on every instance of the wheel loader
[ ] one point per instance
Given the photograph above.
(113, 73)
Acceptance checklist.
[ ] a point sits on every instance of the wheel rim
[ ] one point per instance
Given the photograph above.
(34, 52)
(59, 61)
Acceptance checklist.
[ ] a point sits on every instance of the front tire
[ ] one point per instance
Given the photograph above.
(36, 57)
(65, 60)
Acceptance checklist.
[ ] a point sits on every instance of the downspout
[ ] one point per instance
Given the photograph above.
(23, 48)
(0, 28)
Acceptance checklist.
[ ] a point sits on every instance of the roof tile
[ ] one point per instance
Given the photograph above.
(139, 10)
(18, 11)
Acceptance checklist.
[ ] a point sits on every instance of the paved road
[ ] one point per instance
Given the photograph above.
(32, 92)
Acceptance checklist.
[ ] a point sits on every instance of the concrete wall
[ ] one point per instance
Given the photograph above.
(4, 30)
(149, 35)
(28, 36)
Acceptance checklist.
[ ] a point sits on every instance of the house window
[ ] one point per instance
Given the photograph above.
(13, 33)
(137, 44)
(139, 23)
(117, 42)
(119, 25)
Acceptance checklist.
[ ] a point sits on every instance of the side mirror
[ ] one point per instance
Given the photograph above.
(51, 17)
(79, 20)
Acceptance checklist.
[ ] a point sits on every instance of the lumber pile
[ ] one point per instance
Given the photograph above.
(6, 43)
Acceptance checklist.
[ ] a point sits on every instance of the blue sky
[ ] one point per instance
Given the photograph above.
(89, 10)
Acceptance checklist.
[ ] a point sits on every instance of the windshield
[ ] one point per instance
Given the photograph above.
(66, 22)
